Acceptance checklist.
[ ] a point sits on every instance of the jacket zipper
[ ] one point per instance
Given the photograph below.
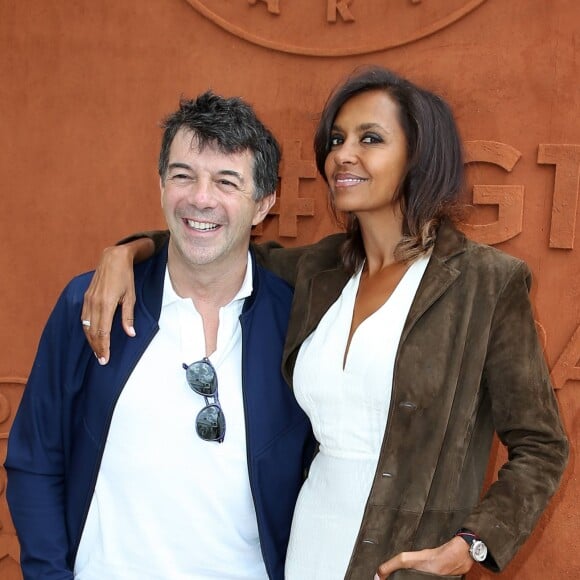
(248, 446)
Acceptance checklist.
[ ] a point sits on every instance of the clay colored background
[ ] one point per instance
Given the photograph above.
(85, 83)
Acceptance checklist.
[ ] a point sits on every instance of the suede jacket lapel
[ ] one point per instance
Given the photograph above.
(439, 274)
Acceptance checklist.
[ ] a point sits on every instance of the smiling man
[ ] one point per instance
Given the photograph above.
(143, 469)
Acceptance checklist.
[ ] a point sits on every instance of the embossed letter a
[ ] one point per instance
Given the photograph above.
(273, 5)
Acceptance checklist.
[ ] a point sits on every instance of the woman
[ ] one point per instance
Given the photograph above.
(408, 347)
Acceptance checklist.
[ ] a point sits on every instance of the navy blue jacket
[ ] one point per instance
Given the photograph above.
(57, 439)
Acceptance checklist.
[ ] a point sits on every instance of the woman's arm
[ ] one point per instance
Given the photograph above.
(113, 284)
(527, 421)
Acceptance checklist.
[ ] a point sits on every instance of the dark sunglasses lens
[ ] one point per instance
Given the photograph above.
(201, 378)
(211, 423)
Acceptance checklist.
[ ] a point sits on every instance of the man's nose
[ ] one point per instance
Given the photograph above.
(203, 194)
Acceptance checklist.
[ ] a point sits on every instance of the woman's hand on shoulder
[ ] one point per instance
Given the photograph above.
(112, 285)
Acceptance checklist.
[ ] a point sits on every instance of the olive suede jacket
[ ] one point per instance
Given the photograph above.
(468, 364)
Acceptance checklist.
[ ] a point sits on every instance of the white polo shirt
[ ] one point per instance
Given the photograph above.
(168, 505)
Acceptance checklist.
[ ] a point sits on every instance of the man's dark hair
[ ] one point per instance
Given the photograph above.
(433, 180)
(231, 125)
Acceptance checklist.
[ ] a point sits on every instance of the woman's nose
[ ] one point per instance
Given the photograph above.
(345, 153)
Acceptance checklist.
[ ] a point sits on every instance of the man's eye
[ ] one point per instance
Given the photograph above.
(227, 185)
(179, 177)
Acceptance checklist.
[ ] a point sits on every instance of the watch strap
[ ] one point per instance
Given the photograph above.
(467, 535)
(477, 548)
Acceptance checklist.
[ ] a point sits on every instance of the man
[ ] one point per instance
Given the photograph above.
(142, 469)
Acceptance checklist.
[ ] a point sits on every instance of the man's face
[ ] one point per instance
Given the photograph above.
(207, 198)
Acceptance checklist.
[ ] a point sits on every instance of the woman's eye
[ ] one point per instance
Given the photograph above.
(371, 139)
(335, 140)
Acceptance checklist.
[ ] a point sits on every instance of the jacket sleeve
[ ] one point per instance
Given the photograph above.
(158, 237)
(527, 421)
(287, 262)
(35, 462)
(281, 261)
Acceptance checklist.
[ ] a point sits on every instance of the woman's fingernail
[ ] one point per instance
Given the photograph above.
(102, 361)
(132, 331)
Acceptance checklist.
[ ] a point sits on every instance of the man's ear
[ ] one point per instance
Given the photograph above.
(263, 207)
(161, 189)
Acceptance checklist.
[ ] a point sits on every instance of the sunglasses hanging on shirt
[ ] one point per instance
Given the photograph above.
(210, 422)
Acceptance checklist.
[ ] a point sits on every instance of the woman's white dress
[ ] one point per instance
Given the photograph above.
(348, 408)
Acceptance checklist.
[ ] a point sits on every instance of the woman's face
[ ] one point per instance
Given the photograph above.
(368, 154)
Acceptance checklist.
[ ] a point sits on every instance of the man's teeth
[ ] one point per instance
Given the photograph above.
(202, 226)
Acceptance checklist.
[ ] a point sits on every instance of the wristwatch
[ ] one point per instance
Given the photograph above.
(477, 549)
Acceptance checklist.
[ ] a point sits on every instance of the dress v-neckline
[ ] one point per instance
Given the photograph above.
(356, 280)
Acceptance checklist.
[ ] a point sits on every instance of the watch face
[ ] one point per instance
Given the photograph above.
(478, 551)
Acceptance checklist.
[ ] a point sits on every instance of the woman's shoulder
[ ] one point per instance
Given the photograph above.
(483, 255)
(453, 246)
(492, 270)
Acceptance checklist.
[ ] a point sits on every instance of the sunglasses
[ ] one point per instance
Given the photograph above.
(210, 422)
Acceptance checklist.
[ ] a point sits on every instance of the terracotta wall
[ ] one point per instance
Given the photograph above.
(83, 85)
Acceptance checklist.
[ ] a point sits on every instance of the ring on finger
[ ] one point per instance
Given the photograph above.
(86, 323)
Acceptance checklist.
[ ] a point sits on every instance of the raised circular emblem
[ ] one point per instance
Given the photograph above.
(333, 27)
